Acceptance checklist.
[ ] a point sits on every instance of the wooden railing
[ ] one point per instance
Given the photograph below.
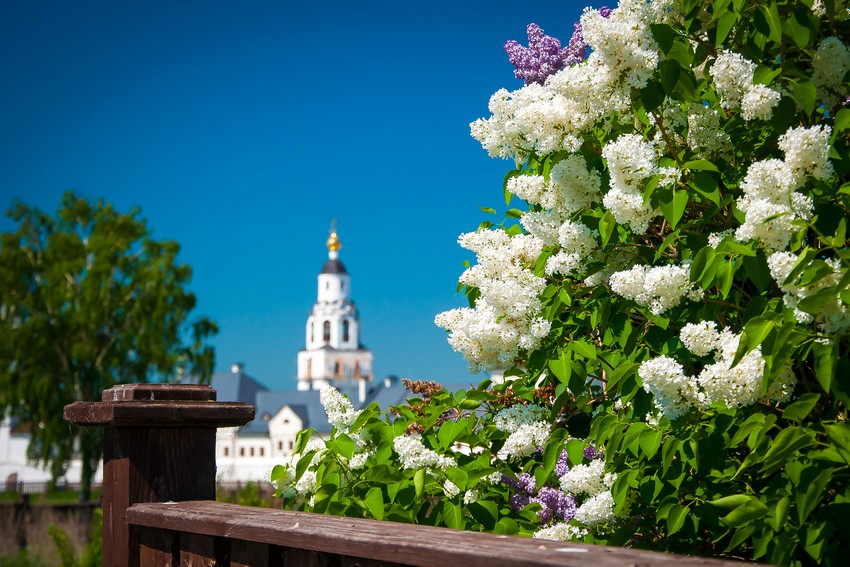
(159, 508)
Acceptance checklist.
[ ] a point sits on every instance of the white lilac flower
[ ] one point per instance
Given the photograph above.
(733, 80)
(700, 338)
(704, 131)
(526, 439)
(414, 455)
(807, 151)
(471, 496)
(770, 203)
(574, 186)
(834, 316)
(598, 509)
(507, 315)
(561, 531)
(577, 243)
(358, 460)
(830, 64)
(758, 103)
(590, 479)
(659, 288)
(508, 419)
(673, 391)
(733, 76)
(528, 187)
(631, 161)
(450, 488)
(341, 414)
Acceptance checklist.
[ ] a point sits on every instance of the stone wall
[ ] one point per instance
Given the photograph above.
(23, 525)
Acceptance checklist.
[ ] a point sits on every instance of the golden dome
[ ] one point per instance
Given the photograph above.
(333, 242)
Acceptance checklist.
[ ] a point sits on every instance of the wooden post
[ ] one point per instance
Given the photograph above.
(159, 446)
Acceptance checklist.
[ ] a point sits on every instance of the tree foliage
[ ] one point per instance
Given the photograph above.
(672, 306)
(89, 300)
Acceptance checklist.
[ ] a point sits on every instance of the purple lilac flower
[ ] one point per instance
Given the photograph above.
(519, 501)
(542, 57)
(555, 503)
(562, 466)
(591, 452)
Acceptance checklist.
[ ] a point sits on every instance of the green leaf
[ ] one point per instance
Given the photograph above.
(780, 513)
(607, 225)
(768, 22)
(806, 501)
(485, 512)
(785, 445)
(452, 515)
(701, 165)
(805, 93)
(801, 408)
(730, 502)
(584, 349)
(562, 368)
(676, 518)
(652, 95)
(650, 441)
(826, 356)
(670, 70)
(839, 434)
(814, 304)
(702, 262)
(748, 511)
(673, 205)
(343, 445)
(724, 26)
(419, 482)
(374, 501)
(842, 121)
(757, 330)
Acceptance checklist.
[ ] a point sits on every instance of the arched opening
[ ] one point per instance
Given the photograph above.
(345, 331)
(357, 369)
(337, 369)
(326, 331)
(312, 331)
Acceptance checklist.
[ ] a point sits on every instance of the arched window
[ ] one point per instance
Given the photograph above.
(337, 369)
(345, 331)
(309, 368)
(326, 331)
(312, 331)
(357, 369)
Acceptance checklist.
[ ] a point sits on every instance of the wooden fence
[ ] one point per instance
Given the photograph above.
(159, 508)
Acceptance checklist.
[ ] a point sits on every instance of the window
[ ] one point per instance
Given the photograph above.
(291, 445)
(337, 369)
(312, 331)
(345, 330)
(309, 368)
(262, 451)
(241, 451)
(326, 331)
(252, 451)
(280, 446)
(357, 369)
(227, 451)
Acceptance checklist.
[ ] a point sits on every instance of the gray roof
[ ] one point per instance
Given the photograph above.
(333, 266)
(236, 387)
(309, 409)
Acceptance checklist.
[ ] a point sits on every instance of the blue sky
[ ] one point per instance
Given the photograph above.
(242, 128)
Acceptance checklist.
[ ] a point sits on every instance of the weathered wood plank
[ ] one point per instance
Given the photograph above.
(197, 550)
(156, 548)
(391, 542)
(248, 554)
(154, 414)
(159, 392)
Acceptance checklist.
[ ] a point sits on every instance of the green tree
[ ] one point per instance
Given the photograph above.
(89, 300)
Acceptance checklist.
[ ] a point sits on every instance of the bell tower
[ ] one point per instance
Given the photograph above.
(333, 354)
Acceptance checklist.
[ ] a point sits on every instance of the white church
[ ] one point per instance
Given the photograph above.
(333, 356)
